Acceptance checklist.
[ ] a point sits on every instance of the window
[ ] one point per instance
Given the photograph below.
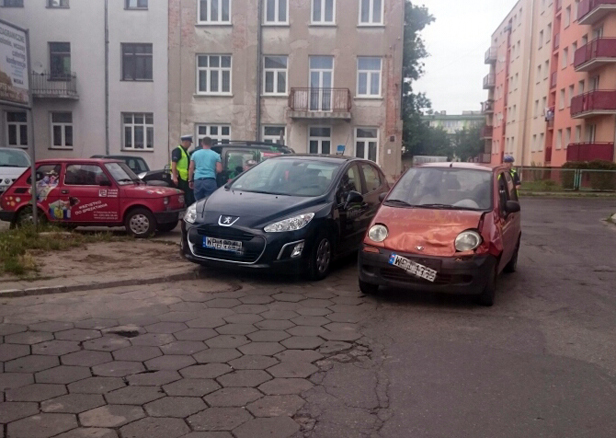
(13, 3)
(274, 134)
(576, 9)
(516, 81)
(536, 113)
(275, 75)
(548, 37)
(214, 74)
(567, 16)
(138, 131)
(369, 77)
(581, 87)
(17, 129)
(534, 143)
(571, 91)
(218, 133)
(559, 139)
(561, 102)
(136, 62)
(62, 130)
(366, 143)
(565, 58)
(320, 140)
(372, 177)
(585, 40)
(214, 11)
(350, 181)
(370, 12)
(276, 12)
(574, 47)
(547, 70)
(60, 60)
(567, 137)
(323, 11)
(541, 39)
(541, 141)
(84, 175)
(513, 114)
(578, 134)
(57, 4)
(544, 104)
(136, 4)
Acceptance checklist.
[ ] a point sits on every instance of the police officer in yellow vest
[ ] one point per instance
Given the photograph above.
(180, 161)
(514, 173)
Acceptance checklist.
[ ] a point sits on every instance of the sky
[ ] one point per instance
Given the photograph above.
(457, 42)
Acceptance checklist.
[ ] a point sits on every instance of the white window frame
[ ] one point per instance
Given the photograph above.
(127, 6)
(18, 126)
(369, 74)
(58, 4)
(216, 138)
(275, 72)
(274, 139)
(132, 125)
(322, 21)
(366, 141)
(276, 21)
(209, 71)
(208, 12)
(63, 126)
(320, 140)
(371, 21)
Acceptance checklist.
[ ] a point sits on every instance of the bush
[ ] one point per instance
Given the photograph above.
(598, 180)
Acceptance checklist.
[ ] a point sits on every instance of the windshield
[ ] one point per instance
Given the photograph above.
(121, 173)
(444, 188)
(13, 158)
(290, 177)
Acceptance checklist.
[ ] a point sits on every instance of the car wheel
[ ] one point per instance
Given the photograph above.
(165, 228)
(368, 288)
(486, 298)
(140, 222)
(321, 257)
(512, 266)
(24, 217)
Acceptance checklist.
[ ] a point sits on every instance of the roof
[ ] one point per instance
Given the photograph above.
(77, 160)
(468, 166)
(319, 157)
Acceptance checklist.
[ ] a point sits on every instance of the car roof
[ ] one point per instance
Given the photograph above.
(319, 157)
(460, 165)
(77, 160)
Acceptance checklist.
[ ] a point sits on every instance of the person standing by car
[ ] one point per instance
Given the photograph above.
(204, 165)
(514, 173)
(180, 162)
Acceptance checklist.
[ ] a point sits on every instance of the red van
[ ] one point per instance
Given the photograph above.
(92, 192)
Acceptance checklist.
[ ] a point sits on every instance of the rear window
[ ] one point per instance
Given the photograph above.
(12, 158)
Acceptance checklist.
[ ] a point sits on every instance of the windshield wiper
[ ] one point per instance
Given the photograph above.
(399, 202)
(126, 180)
(445, 206)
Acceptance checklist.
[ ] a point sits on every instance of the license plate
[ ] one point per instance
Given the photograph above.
(222, 244)
(412, 267)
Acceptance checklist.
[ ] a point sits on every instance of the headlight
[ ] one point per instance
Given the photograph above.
(378, 233)
(291, 224)
(468, 240)
(191, 214)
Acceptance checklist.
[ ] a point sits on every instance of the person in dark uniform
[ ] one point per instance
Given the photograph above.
(180, 161)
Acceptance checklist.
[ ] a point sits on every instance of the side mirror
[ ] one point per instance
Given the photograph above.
(353, 198)
(105, 183)
(512, 206)
(382, 196)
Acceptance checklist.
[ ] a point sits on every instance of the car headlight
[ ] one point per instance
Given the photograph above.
(467, 240)
(378, 233)
(191, 214)
(291, 224)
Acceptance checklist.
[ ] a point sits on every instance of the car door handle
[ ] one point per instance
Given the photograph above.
(64, 192)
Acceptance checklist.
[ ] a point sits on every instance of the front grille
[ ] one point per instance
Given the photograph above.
(248, 256)
(252, 245)
(224, 233)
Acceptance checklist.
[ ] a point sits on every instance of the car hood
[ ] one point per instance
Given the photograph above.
(11, 172)
(433, 230)
(142, 191)
(254, 210)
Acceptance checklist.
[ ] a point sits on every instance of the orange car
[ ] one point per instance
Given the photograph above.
(444, 227)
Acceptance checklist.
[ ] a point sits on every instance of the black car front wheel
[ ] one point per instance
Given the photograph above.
(321, 257)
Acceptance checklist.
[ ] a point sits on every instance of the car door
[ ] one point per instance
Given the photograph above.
(509, 222)
(350, 214)
(48, 187)
(374, 184)
(89, 195)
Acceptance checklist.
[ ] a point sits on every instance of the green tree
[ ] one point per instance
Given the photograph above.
(467, 143)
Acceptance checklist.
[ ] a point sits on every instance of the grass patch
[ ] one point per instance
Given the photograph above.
(546, 185)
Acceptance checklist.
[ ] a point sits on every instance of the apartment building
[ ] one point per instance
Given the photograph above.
(314, 74)
(99, 78)
(453, 123)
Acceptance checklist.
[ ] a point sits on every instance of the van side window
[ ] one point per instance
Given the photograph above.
(350, 182)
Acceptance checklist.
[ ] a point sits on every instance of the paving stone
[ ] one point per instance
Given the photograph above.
(153, 339)
(118, 369)
(320, 294)
(356, 309)
(303, 342)
(236, 329)
(170, 362)
(347, 317)
(31, 364)
(14, 380)
(51, 326)
(223, 303)
(256, 299)
(137, 353)
(262, 348)
(63, 375)
(111, 416)
(314, 321)
(196, 334)
(157, 378)
(107, 343)
(253, 309)
(9, 329)
(331, 347)
(155, 428)
(28, 338)
(279, 427)
(35, 393)
(214, 419)
(86, 358)
(166, 327)
(186, 307)
(179, 316)
(134, 395)
(13, 351)
(242, 318)
(349, 301)
(253, 362)
(11, 411)
(268, 336)
(78, 335)
(279, 314)
(342, 336)
(244, 378)
(299, 356)
(178, 407)
(342, 327)
(217, 355)
(191, 387)
(73, 403)
(90, 432)
(314, 302)
(183, 347)
(291, 298)
(206, 322)
(313, 311)
(42, 426)
(231, 397)
(274, 324)
(208, 435)
(227, 341)
(97, 323)
(208, 371)
(285, 386)
(56, 348)
(292, 369)
(96, 385)
(231, 294)
(304, 330)
(280, 305)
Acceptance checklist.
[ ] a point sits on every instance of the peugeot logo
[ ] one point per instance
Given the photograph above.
(227, 221)
(419, 248)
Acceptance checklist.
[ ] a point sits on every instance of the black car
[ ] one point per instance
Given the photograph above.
(293, 213)
(136, 164)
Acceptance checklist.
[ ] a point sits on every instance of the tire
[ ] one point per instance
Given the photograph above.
(24, 217)
(368, 288)
(512, 266)
(486, 298)
(167, 227)
(321, 257)
(140, 222)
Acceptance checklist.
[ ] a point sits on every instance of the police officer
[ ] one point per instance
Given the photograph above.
(514, 173)
(180, 162)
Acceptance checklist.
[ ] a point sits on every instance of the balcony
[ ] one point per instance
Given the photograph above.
(553, 79)
(595, 54)
(487, 107)
(549, 117)
(594, 103)
(593, 11)
(49, 86)
(320, 103)
(486, 132)
(491, 55)
(556, 42)
(489, 82)
(547, 157)
(590, 151)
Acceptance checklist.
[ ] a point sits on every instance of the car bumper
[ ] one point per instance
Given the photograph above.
(455, 275)
(165, 217)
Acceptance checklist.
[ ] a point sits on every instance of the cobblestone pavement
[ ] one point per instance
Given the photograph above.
(175, 360)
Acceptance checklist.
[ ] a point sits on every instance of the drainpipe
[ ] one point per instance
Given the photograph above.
(529, 72)
(259, 67)
(106, 77)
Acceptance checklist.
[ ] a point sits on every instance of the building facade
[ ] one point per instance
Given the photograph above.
(452, 123)
(314, 74)
(99, 79)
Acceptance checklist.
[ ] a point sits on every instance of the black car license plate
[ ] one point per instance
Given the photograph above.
(222, 244)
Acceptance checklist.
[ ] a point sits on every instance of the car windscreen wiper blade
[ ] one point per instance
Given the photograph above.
(399, 202)
(444, 206)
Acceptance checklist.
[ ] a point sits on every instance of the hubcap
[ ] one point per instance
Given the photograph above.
(323, 255)
(139, 224)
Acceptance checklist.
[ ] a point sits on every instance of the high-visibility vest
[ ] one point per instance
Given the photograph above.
(182, 165)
